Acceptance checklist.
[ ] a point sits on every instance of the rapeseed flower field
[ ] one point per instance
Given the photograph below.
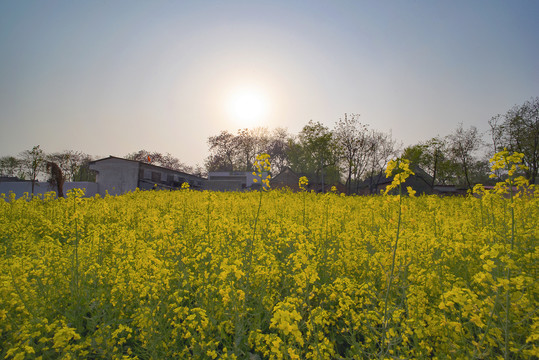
(272, 274)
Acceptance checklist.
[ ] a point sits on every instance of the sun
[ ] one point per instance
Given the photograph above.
(247, 106)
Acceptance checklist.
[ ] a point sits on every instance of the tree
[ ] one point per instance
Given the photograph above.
(69, 162)
(278, 148)
(415, 154)
(381, 148)
(33, 162)
(352, 138)
(56, 178)
(249, 143)
(164, 160)
(170, 162)
(229, 152)
(223, 152)
(432, 157)
(148, 157)
(11, 166)
(245, 149)
(83, 171)
(315, 152)
(518, 131)
(463, 144)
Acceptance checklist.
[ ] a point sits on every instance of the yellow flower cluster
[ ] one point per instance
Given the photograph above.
(505, 161)
(157, 275)
(262, 165)
(400, 169)
(303, 182)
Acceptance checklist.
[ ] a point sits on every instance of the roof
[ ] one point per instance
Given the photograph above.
(380, 178)
(286, 169)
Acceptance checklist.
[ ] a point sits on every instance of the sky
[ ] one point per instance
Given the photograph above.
(113, 77)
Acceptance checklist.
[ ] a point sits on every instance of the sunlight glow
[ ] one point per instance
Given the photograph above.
(247, 107)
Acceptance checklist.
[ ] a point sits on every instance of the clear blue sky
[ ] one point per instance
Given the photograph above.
(113, 77)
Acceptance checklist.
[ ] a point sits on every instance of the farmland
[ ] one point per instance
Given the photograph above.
(269, 275)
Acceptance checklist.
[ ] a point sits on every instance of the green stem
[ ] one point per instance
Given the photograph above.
(508, 293)
(250, 245)
(304, 204)
(384, 329)
(249, 249)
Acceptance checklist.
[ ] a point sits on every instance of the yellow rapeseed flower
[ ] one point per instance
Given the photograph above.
(303, 182)
(400, 169)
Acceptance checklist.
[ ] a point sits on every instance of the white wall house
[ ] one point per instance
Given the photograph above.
(118, 176)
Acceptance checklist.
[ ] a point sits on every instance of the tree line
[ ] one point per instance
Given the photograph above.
(58, 167)
(69, 165)
(30, 164)
(350, 152)
(461, 158)
(164, 160)
(355, 154)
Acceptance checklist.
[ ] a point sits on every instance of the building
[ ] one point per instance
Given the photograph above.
(420, 181)
(118, 176)
(288, 179)
(233, 181)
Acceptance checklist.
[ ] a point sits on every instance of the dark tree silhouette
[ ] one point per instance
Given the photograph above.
(56, 177)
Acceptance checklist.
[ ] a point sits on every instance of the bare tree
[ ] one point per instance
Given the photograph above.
(246, 146)
(382, 148)
(69, 162)
(518, 131)
(223, 152)
(174, 163)
(352, 139)
(278, 148)
(230, 152)
(156, 158)
(33, 162)
(11, 166)
(463, 144)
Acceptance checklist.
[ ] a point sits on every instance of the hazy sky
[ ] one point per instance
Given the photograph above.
(113, 77)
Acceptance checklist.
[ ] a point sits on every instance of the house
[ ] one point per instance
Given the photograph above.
(448, 190)
(117, 176)
(421, 182)
(232, 181)
(288, 179)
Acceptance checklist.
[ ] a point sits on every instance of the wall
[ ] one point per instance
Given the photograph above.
(116, 176)
(42, 187)
(245, 177)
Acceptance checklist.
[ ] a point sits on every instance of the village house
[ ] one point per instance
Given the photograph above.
(232, 181)
(420, 181)
(288, 179)
(117, 176)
